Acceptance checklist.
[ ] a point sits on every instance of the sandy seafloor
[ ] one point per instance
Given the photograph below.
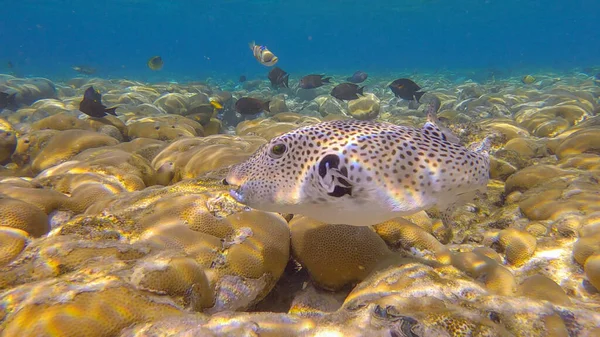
(120, 226)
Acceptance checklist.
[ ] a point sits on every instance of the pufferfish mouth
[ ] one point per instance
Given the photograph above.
(235, 191)
(237, 195)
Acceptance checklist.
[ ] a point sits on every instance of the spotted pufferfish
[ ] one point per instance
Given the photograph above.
(362, 173)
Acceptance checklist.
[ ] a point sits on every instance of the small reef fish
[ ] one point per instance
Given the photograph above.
(528, 79)
(91, 104)
(155, 63)
(313, 81)
(406, 89)
(347, 91)
(358, 77)
(242, 79)
(9, 65)
(84, 70)
(278, 77)
(7, 100)
(360, 172)
(251, 106)
(216, 104)
(263, 55)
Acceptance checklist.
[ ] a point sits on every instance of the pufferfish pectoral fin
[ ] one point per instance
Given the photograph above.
(341, 185)
(446, 217)
(334, 179)
(336, 183)
(460, 199)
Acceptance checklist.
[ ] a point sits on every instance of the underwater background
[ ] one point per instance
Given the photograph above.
(366, 169)
(198, 39)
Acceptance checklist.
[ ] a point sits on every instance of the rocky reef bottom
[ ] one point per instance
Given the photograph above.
(121, 226)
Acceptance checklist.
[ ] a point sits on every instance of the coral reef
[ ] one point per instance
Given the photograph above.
(121, 225)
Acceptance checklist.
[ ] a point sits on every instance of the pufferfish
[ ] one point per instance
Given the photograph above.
(361, 173)
(263, 55)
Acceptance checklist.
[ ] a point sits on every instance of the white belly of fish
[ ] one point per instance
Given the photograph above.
(376, 209)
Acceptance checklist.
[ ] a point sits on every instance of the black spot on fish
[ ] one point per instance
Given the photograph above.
(329, 161)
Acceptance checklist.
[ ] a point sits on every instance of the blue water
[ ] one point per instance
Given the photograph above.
(200, 39)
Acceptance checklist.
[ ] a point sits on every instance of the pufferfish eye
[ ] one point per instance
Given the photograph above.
(277, 150)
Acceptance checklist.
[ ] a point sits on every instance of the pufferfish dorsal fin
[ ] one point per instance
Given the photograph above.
(434, 126)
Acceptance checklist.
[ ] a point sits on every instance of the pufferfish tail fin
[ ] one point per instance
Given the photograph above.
(483, 146)
(252, 45)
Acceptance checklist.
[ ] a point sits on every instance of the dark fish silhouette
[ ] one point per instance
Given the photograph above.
(278, 78)
(155, 63)
(84, 70)
(242, 78)
(10, 65)
(313, 81)
(588, 70)
(251, 106)
(347, 91)
(358, 77)
(7, 100)
(91, 104)
(406, 89)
